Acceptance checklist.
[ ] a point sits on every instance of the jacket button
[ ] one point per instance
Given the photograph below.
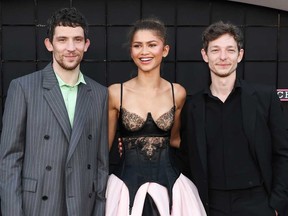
(44, 198)
(46, 137)
(48, 168)
(89, 136)
(89, 166)
(90, 195)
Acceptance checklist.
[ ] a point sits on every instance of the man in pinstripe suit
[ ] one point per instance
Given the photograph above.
(54, 148)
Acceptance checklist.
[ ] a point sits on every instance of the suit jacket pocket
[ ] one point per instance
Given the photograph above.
(29, 185)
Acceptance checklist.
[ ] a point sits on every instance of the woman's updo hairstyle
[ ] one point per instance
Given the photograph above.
(152, 24)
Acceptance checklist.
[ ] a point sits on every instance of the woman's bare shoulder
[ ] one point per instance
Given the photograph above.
(115, 86)
(114, 95)
(180, 91)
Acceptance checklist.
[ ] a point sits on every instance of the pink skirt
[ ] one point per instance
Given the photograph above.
(186, 200)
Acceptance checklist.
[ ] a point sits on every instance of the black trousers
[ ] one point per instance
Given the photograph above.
(242, 202)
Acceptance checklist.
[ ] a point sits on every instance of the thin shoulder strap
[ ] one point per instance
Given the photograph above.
(173, 93)
(121, 93)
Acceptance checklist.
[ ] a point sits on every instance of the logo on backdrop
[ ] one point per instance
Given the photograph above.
(283, 94)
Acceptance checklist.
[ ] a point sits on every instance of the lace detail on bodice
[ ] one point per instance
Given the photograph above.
(147, 142)
(147, 145)
(134, 122)
(166, 120)
(146, 150)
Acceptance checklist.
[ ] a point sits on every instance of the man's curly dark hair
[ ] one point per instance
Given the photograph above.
(66, 17)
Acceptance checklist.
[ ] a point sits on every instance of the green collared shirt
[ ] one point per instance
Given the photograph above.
(70, 95)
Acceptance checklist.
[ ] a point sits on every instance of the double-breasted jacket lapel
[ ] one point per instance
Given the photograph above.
(81, 109)
(54, 98)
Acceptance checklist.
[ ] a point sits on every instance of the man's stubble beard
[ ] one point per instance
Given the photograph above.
(65, 66)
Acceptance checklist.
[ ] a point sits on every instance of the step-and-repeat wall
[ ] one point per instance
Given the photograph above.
(23, 22)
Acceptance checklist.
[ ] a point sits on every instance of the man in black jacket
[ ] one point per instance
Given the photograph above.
(234, 135)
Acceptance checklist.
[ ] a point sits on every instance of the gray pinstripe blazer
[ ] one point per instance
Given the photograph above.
(47, 168)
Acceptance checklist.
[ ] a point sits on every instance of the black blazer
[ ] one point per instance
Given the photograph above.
(265, 126)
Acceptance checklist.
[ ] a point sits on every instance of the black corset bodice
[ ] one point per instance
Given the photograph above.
(146, 151)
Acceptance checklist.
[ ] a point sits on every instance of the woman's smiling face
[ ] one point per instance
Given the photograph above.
(147, 50)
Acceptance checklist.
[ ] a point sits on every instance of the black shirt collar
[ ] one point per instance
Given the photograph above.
(237, 86)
